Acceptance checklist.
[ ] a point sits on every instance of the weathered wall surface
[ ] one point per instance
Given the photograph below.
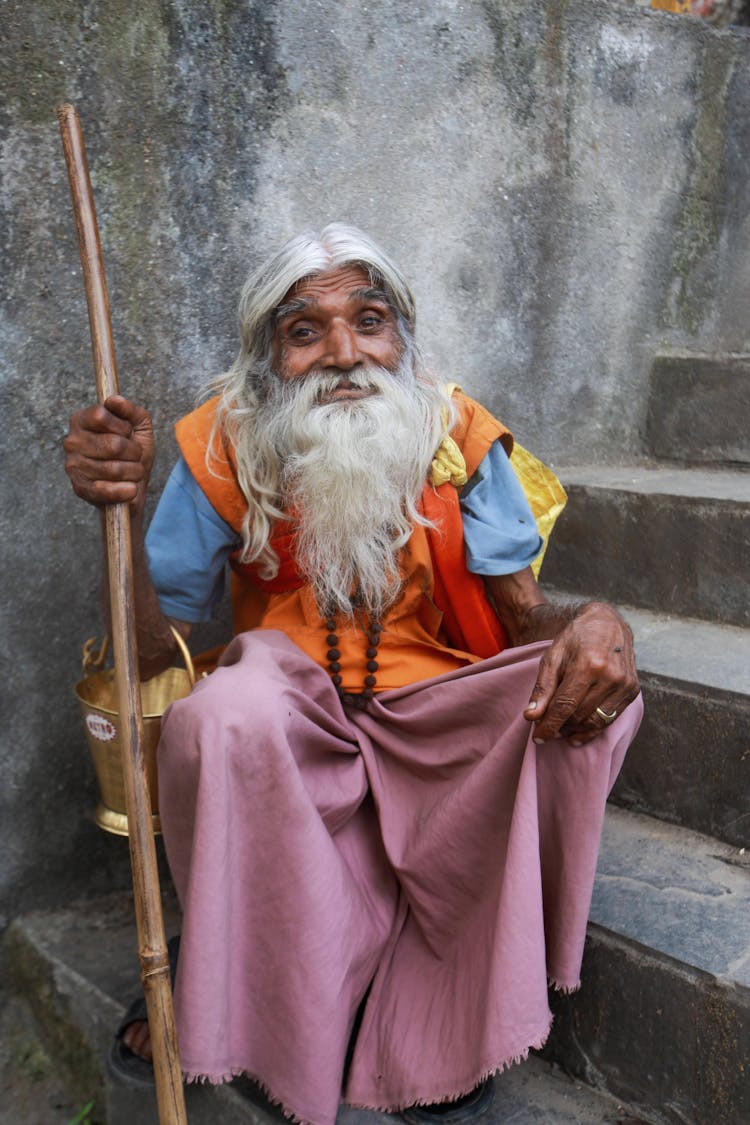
(566, 183)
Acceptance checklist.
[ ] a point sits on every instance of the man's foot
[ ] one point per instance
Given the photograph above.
(130, 1054)
(468, 1108)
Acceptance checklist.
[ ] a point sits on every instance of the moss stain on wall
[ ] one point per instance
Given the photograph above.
(694, 257)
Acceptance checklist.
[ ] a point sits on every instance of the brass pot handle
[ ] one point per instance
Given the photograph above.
(182, 646)
(91, 660)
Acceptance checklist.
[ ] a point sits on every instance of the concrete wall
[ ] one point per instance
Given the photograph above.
(565, 183)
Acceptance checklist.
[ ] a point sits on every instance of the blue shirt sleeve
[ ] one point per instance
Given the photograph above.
(500, 532)
(187, 547)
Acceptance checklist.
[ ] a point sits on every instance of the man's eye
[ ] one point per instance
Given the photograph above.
(300, 332)
(370, 321)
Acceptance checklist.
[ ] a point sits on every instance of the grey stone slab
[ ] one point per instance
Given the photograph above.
(534, 1093)
(699, 408)
(673, 1040)
(672, 540)
(697, 652)
(677, 893)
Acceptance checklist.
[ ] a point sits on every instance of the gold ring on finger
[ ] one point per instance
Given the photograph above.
(606, 717)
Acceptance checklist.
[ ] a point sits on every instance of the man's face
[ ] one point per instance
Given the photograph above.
(335, 321)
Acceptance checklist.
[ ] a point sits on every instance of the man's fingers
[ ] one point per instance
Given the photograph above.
(544, 688)
(109, 452)
(137, 1038)
(117, 416)
(123, 408)
(558, 711)
(105, 481)
(593, 715)
(572, 699)
(586, 716)
(98, 492)
(109, 471)
(590, 664)
(596, 712)
(105, 418)
(102, 446)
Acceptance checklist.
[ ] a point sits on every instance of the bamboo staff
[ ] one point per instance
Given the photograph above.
(152, 948)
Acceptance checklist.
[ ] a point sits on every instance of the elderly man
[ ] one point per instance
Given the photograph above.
(382, 810)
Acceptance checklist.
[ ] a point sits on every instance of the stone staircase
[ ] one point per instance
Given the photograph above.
(663, 1018)
(75, 970)
(660, 1031)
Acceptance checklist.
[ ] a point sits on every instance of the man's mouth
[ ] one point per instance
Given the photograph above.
(345, 392)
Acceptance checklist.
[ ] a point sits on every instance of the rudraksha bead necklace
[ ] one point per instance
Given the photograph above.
(333, 656)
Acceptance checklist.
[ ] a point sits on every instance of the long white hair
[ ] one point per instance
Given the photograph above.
(250, 392)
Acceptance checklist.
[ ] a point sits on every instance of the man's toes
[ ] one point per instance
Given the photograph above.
(137, 1039)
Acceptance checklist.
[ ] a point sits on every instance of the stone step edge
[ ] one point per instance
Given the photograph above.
(723, 484)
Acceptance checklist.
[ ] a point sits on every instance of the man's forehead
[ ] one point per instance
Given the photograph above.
(340, 283)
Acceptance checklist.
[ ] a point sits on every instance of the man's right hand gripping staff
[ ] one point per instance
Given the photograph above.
(109, 453)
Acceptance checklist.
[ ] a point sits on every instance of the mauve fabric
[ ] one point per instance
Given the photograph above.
(425, 848)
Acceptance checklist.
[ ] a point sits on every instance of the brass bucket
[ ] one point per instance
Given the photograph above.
(97, 696)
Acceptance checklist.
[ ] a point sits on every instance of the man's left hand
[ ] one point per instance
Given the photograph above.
(587, 677)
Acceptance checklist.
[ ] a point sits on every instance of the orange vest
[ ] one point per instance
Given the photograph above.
(442, 621)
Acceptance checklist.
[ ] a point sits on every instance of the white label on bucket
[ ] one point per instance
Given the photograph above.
(100, 728)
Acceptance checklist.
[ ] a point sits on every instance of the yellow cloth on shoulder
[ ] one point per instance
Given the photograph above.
(545, 494)
(448, 464)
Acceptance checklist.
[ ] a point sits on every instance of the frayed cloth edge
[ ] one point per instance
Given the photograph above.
(195, 1078)
(565, 989)
(462, 1091)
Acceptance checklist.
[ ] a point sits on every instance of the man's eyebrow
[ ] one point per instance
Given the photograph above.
(371, 293)
(297, 305)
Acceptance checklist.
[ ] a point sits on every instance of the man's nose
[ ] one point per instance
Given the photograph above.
(342, 348)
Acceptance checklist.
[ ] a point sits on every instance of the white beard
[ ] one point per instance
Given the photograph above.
(352, 473)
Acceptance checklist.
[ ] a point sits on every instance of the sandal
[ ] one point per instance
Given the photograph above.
(469, 1108)
(122, 1063)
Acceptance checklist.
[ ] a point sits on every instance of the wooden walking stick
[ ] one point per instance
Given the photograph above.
(152, 947)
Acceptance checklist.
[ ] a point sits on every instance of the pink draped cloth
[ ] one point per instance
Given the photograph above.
(423, 853)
